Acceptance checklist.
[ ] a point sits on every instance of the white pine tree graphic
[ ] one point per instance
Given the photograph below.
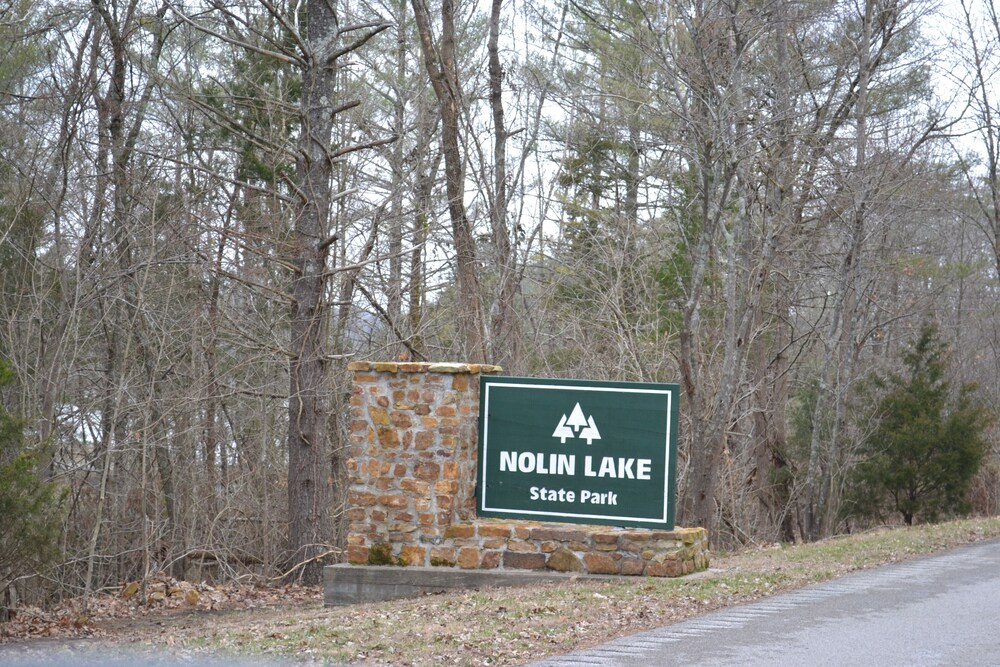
(577, 419)
(562, 431)
(577, 426)
(590, 433)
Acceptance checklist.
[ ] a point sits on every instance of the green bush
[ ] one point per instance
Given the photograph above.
(29, 506)
(927, 444)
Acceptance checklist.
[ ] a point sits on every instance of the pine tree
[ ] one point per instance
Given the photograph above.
(29, 525)
(928, 443)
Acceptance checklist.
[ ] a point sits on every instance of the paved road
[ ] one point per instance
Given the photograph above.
(941, 610)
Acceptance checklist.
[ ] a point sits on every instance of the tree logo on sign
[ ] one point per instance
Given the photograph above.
(577, 426)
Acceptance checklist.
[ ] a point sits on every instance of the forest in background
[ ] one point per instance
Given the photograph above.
(208, 208)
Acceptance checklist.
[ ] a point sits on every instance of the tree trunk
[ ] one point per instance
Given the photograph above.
(504, 331)
(309, 484)
(394, 291)
(442, 69)
(310, 487)
(837, 369)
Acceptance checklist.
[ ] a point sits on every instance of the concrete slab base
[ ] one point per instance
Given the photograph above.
(351, 584)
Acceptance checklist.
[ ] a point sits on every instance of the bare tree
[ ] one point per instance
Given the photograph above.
(979, 39)
(439, 55)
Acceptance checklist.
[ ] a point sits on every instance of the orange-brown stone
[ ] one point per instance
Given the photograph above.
(459, 530)
(378, 416)
(668, 568)
(361, 498)
(413, 555)
(414, 485)
(443, 556)
(393, 501)
(427, 470)
(446, 486)
(401, 420)
(494, 530)
(423, 440)
(522, 546)
(558, 534)
(357, 554)
(600, 563)
(468, 558)
(388, 438)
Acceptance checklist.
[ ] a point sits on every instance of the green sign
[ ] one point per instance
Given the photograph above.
(577, 451)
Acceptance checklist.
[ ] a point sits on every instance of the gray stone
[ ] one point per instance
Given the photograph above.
(351, 584)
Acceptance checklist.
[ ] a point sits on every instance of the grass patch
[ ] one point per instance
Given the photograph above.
(514, 626)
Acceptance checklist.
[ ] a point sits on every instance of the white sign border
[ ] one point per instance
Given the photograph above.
(570, 387)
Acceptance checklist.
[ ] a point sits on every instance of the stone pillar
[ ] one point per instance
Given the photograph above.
(411, 459)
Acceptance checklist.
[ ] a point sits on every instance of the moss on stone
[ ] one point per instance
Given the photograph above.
(380, 553)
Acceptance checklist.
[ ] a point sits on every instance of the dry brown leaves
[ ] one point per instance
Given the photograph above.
(157, 596)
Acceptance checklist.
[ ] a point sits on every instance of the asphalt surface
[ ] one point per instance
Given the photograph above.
(82, 653)
(940, 610)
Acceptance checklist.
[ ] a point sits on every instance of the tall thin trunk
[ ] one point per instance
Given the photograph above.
(421, 223)
(442, 69)
(504, 335)
(394, 296)
(837, 369)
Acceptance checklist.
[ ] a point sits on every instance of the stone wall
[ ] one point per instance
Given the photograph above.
(412, 497)
(565, 547)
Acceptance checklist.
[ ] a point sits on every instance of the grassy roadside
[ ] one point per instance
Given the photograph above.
(513, 626)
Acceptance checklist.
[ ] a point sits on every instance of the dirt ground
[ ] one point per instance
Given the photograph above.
(148, 619)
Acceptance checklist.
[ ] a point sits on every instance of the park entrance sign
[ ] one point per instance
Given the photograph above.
(577, 451)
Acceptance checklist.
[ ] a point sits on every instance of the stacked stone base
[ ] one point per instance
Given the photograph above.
(489, 544)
